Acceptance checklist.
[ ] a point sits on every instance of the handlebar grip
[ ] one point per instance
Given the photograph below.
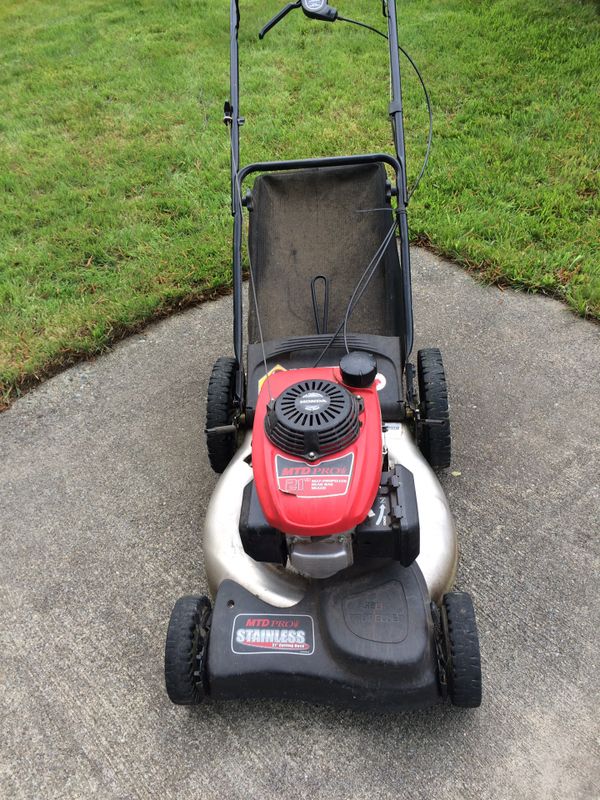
(277, 18)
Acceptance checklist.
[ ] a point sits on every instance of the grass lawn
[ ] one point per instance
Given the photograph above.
(114, 159)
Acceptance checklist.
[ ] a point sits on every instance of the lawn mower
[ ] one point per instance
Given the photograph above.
(330, 550)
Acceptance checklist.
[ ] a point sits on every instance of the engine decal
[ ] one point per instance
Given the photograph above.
(329, 478)
(273, 633)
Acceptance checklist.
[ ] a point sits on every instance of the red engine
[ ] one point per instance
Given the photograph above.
(316, 451)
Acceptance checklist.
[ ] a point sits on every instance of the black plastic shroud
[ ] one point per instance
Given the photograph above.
(362, 640)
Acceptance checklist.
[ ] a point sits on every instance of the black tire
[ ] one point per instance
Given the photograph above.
(186, 650)
(219, 411)
(463, 661)
(434, 440)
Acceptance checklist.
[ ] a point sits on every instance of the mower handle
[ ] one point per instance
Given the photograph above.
(315, 9)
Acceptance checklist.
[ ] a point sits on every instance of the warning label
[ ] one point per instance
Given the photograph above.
(329, 478)
(276, 368)
(273, 633)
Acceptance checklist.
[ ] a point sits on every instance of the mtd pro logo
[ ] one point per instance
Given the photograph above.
(273, 633)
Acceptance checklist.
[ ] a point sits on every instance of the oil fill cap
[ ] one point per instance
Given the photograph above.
(358, 369)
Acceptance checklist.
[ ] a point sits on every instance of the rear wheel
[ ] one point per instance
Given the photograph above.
(186, 650)
(434, 440)
(461, 640)
(219, 412)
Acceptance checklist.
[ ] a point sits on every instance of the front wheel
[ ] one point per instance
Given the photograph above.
(186, 650)
(461, 645)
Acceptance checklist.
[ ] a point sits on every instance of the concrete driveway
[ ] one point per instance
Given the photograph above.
(104, 484)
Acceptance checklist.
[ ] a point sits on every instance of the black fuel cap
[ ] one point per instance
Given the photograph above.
(358, 369)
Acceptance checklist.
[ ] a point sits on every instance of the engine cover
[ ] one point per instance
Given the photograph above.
(316, 451)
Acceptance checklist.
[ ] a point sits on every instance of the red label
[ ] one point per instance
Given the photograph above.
(326, 479)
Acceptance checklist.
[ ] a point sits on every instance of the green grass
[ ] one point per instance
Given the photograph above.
(114, 159)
